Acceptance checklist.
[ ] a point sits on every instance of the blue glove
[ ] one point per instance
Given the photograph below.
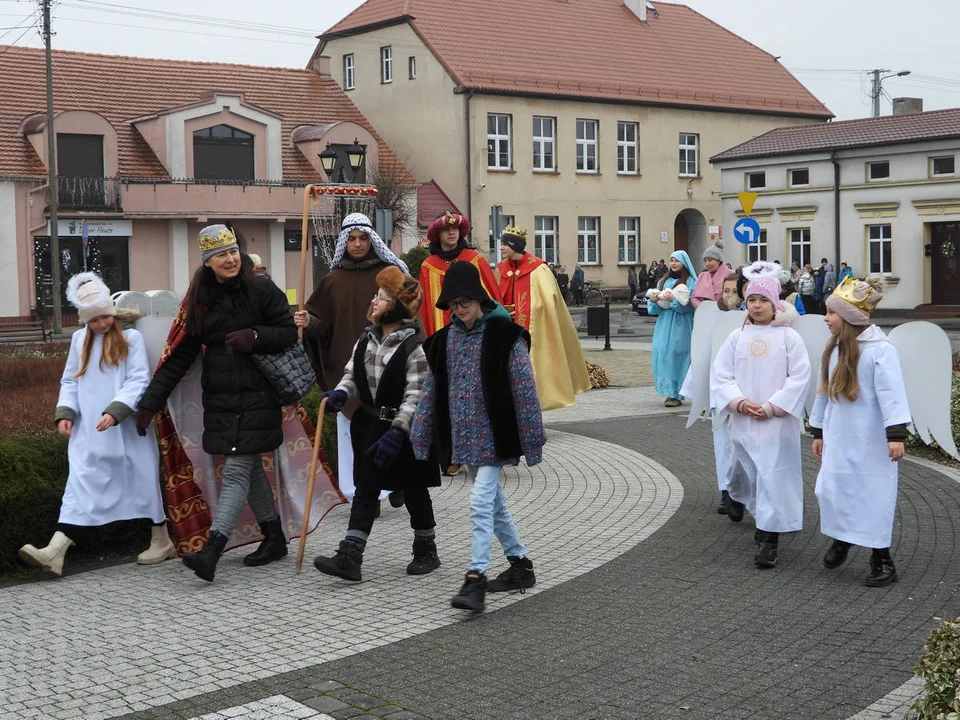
(336, 399)
(386, 450)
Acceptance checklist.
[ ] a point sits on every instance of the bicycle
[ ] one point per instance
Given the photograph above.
(592, 294)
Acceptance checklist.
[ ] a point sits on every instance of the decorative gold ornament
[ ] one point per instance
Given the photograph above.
(221, 239)
(861, 295)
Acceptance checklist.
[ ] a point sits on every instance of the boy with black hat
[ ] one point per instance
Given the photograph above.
(490, 421)
(386, 372)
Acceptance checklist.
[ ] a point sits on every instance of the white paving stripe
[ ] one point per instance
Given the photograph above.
(275, 706)
(128, 638)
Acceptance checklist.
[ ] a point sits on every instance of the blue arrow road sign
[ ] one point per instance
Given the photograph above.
(746, 230)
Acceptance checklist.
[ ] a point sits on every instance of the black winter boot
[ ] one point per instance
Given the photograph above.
(882, 570)
(273, 547)
(344, 564)
(722, 507)
(472, 592)
(425, 558)
(519, 576)
(734, 509)
(767, 556)
(836, 555)
(204, 562)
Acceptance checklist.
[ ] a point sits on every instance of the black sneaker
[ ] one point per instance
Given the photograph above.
(836, 555)
(519, 576)
(471, 594)
(734, 510)
(722, 507)
(882, 570)
(344, 564)
(767, 555)
(425, 558)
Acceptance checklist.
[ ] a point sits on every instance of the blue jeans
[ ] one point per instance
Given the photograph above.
(489, 515)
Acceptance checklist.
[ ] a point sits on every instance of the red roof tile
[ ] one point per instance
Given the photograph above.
(595, 49)
(432, 202)
(124, 88)
(866, 132)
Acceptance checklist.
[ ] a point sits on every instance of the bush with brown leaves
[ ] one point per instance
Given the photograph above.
(29, 386)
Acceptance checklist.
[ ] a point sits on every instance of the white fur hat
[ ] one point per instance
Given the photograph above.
(90, 295)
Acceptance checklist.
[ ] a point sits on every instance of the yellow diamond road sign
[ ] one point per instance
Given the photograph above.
(747, 199)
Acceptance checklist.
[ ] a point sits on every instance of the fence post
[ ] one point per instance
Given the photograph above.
(606, 307)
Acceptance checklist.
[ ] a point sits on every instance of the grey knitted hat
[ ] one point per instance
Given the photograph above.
(715, 251)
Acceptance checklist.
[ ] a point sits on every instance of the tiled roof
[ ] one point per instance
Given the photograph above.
(125, 88)
(432, 202)
(594, 49)
(867, 132)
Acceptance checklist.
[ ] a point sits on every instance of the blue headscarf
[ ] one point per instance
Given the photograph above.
(682, 256)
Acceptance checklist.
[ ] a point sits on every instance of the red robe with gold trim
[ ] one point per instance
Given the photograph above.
(431, 278)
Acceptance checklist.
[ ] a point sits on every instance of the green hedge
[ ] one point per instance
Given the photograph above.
(328, 435)
(939, 668)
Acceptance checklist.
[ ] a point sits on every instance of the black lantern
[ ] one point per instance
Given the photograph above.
(355, 154)
(328, 158)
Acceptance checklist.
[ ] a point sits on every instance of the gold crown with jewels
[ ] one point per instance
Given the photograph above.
(515, 231)
(215, 237)
(861, 294)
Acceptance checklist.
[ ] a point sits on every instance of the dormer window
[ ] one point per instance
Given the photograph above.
(222, 152)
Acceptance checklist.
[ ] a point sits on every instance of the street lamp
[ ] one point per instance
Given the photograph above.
(355, 154)
(328, 158)
(876, 88)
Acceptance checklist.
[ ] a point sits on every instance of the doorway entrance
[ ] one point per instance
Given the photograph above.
(944, 269)
(690, 234)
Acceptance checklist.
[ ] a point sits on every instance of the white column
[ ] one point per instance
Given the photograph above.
(179, 255)
(10, 287)
(277, 261)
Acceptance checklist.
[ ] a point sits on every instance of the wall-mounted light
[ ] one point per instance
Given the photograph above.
(328, 158)
(355, 154)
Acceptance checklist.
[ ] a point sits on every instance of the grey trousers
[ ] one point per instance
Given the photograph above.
(243, 480)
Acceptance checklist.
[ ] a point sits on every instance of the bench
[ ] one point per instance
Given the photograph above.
(23, 332)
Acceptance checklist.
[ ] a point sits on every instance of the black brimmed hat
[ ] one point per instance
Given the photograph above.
(462, 279)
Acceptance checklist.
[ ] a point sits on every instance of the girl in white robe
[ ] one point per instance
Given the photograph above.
(758, 384)
(114, 473)
(859, 422)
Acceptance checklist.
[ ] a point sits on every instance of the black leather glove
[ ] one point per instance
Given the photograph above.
(144, 418)
(336, 399)
(386, 450)
(241, 340)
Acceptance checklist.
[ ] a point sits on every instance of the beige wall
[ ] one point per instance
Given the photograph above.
(421, 120)
(149, 256)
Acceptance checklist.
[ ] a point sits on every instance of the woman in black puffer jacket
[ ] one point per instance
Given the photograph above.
(231, 312)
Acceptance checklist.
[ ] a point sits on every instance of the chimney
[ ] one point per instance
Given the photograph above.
(907, 106)
(321, 63)
(637, 7)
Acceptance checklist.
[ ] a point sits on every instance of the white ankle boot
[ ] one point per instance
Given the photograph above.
(161, 548)
(49, 558)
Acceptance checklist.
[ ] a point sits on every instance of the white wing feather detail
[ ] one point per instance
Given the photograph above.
(705, 319)
(815, 334)
(926, 359)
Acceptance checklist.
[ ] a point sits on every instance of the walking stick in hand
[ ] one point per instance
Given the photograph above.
(310, 481)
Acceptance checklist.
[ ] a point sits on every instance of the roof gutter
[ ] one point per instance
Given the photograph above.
(836, 207)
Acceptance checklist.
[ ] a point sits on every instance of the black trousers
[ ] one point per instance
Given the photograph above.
(364, 508)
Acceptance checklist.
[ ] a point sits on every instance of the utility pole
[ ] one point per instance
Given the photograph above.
(876, 89)
(52, 177)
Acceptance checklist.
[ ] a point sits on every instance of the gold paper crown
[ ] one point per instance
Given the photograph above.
(511, 230)
(210, 239)
(860, 294)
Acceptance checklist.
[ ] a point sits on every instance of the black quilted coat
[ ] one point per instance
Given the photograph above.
(241, 415)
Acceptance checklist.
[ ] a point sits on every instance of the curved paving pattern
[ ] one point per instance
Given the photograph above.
(127, 638)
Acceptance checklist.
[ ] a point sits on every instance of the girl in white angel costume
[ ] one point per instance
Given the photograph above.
(114, 473)
(758, 384)
(859, 423)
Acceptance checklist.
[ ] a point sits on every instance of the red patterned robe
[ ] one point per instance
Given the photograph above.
(431, 279)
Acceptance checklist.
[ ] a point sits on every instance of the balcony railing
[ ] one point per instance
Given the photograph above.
(89, 193)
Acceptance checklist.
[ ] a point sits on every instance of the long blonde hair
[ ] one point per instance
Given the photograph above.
(844, 381)
(115, 348)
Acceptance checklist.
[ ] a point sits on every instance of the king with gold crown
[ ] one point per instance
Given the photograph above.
(531, 294)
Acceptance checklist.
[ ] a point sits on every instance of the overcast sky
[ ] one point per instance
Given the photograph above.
(828, 44)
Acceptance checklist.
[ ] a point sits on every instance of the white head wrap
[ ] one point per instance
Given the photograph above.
(359, 221)
(90, 295)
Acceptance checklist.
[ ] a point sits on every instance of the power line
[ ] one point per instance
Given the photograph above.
(32, 17)
(184, 32)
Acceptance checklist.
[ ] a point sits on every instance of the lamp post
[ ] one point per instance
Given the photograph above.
(876, 89)
(328, 158)
(355, 155)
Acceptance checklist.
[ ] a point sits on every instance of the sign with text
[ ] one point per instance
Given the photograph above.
(95, 228)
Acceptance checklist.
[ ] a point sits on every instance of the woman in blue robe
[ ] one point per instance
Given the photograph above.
(671, 336)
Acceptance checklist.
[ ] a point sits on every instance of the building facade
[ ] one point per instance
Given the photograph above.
(880, 194)
(598, 149)
(150, 151)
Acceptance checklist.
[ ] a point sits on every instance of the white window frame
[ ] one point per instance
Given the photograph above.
(933, 161)
(884, 237)
(628, 150)
(588, 238)
(493, 254)
(758, 251)
(748, 180)
(500, 140)
(689, 149)
(587, 146)
(870, 165)
(544, 144)
(628, 226)
(349, 72)
(545, 244)
(412, 67)
(801, 241)
(793, 184)
(386, 64)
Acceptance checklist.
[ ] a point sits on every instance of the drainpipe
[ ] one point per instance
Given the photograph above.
(836, 209)
(466, 116)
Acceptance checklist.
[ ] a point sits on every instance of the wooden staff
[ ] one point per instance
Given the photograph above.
(304, 244)
(310, 481)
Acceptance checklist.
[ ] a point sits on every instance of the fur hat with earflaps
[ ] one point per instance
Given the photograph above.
(404, 290)
(90, 295)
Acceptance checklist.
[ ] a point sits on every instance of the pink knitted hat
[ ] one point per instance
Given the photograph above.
(768, 287)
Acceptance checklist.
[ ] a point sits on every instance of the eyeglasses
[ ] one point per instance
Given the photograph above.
(379, 298)
(463, 303)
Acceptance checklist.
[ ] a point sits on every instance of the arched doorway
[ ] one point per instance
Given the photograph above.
(690, 234)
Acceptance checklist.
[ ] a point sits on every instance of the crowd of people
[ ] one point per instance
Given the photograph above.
(452, 370)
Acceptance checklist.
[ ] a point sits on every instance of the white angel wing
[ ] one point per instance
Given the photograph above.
(926, 359)
(704, 321)
(727, 323)
(815, 334)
